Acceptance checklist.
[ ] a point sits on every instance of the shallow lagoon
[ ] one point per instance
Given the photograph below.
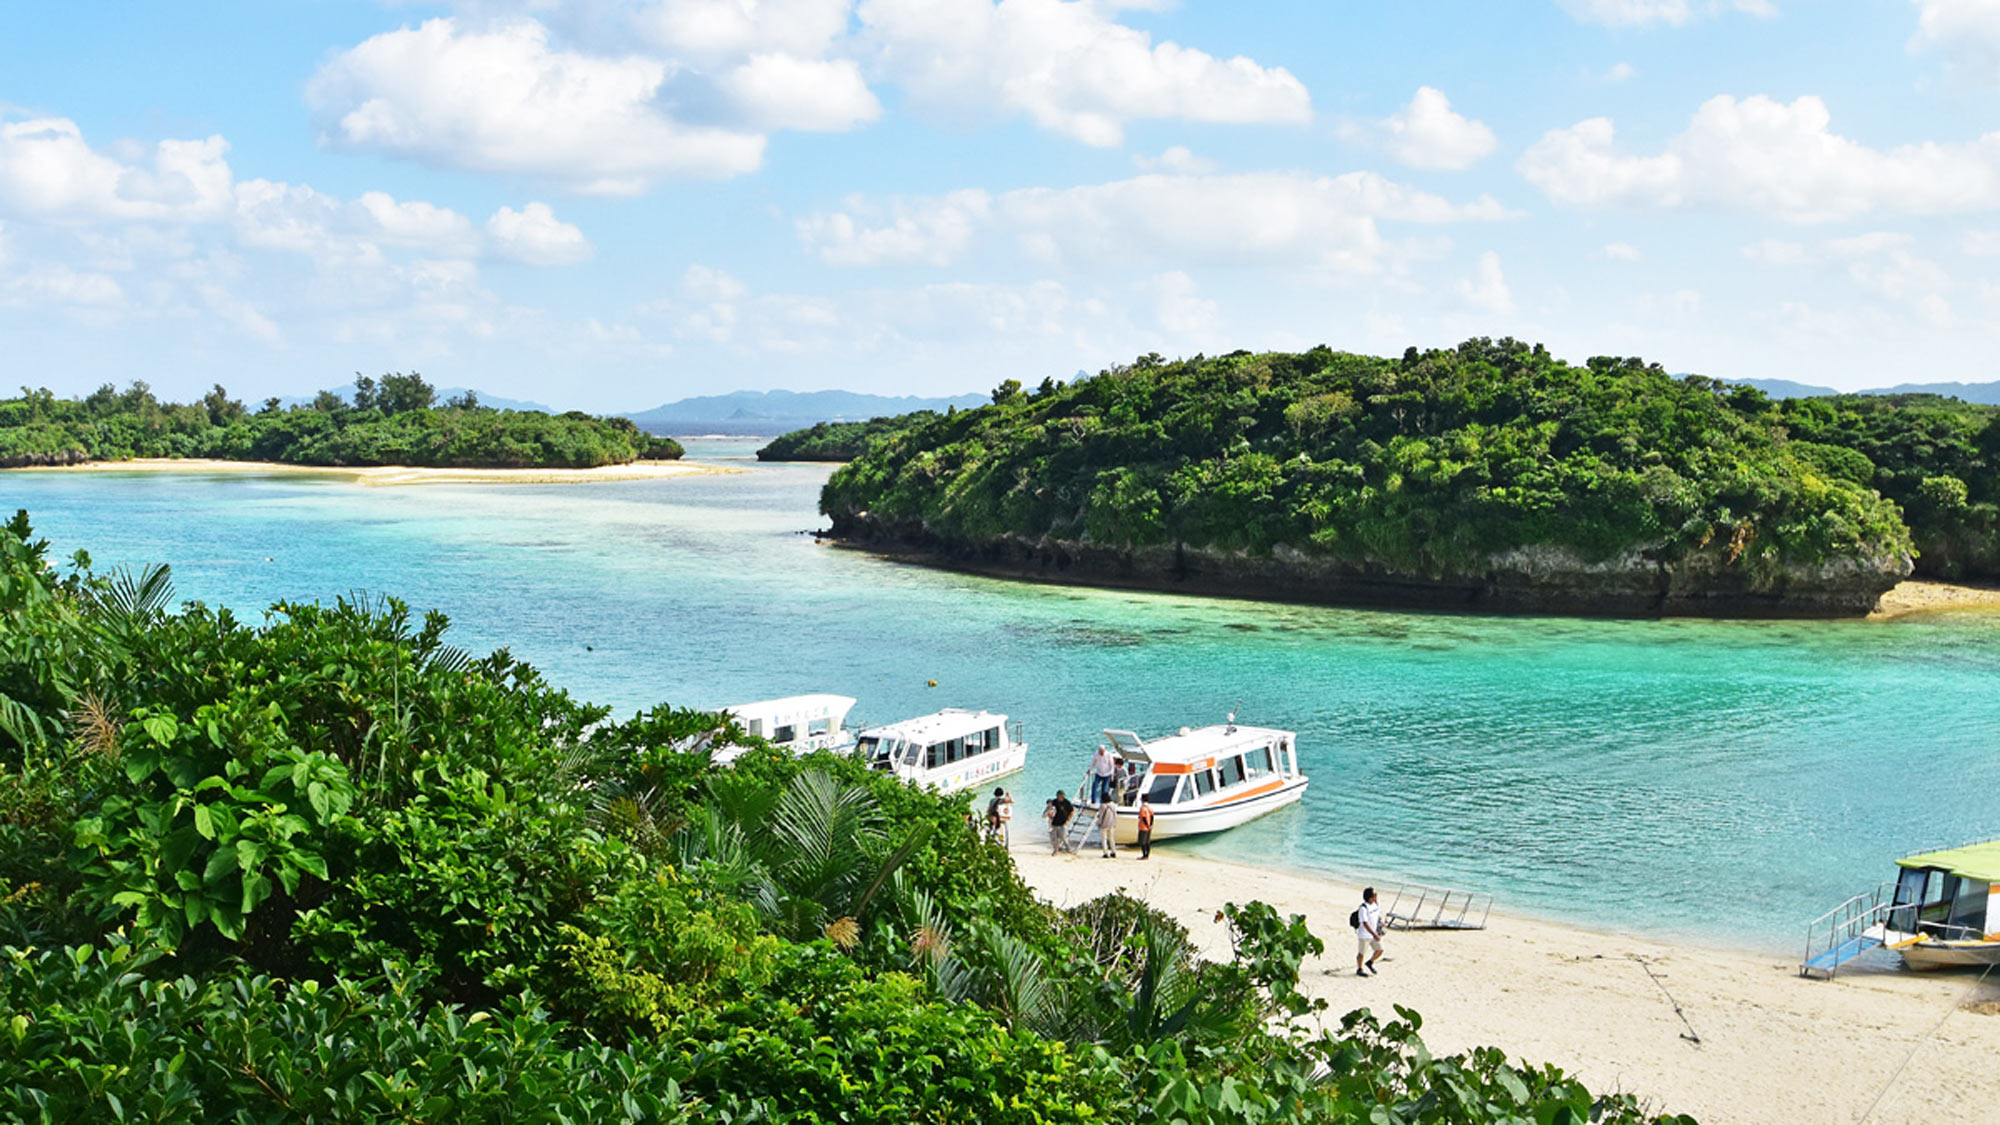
(1725, 780)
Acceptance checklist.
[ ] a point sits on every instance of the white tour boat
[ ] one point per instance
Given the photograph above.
(950, 751)
(798, 723)
(1943, 911)
(1201, 781)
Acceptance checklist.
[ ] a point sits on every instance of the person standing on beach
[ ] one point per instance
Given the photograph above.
(1101, 769)
(1057, 813)
(1367, 934)
(1146, 828)
(1107, 828)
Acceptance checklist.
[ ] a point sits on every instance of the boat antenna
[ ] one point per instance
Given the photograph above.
(1232, 718)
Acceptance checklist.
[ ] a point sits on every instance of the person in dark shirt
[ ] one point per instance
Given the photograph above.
(1057, 812)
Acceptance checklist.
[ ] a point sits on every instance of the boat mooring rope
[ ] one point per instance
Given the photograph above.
(1925, 1038)
(1689, 1034)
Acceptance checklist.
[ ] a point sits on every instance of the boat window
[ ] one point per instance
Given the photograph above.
(1162, 791)
(866, 748)
(1232, 771)
(1968, 912)
(1204, 783)
(912, 751)
(785, 734)
(820, 726)
(934, 755)
(1257, 763)
(756, 728)
(993, 738)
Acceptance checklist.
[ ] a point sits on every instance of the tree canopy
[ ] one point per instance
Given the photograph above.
(391, 421)
(1435, 467)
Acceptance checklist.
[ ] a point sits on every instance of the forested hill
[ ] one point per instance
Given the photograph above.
(1490, 475)
(394, 421)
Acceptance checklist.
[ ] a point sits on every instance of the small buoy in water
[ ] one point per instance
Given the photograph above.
(267, 558)
(933, 683)
(587, 648)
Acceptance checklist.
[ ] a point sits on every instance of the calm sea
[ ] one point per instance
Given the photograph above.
(1722, 780)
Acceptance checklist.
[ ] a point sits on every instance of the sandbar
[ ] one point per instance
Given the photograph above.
(373, 475)
(1773, 1047)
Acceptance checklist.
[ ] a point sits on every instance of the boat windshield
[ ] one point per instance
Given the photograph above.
(1162, 790)
(911, 752)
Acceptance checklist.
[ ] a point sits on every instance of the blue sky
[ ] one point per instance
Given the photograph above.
(609, 204)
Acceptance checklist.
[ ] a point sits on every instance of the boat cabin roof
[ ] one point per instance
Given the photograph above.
(1978, 862)
(1194, 747)
(952, 722)
(795, 707)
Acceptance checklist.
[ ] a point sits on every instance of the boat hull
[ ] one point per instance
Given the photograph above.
(1170, 823)
(971, 773)
(1927, 955)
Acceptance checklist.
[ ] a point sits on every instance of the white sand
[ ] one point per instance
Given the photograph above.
(399, 474)
(1774, 1047)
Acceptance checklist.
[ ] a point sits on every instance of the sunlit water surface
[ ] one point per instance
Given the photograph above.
(1724, 780)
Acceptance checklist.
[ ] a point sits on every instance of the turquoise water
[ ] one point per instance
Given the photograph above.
(1726, 780)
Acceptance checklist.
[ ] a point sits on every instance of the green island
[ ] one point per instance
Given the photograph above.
(1488, 476)
(395, 420)
(839, 441)
(327, 867)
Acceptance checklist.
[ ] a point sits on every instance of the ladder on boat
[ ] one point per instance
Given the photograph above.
(1081, 831)
(1846, 932)
(1417, 907)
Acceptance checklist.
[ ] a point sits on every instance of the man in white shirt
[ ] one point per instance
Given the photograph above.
(1367, 934)
(1101, 769)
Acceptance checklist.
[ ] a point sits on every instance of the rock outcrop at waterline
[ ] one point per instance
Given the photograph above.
(1527, 580)
(44, 459)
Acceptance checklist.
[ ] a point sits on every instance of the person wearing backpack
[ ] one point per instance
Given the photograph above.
(1367, 922)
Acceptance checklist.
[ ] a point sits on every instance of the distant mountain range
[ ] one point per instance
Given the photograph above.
(346, 392)
(1988, 393)
(776, 411)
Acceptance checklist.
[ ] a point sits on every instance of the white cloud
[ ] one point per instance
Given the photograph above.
(1621, 252)
(711, 30)
(1966, 31)
(59, 285)
(1180, 310)
(1620, 72)
(1486, 289)
(1427, 133)
(1881, 263)
(534, 235)
(1767, 157)
(778, 91)
(1652, 13)
(1777, 252)
(47, 171)
(1248, 218)
(1178, 158)
(1068, 65)
(1980, 244)
(927, 231)
(416, 223)
(500, 99)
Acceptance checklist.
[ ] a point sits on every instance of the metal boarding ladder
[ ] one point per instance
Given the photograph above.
(1417, 907)
(1846, 932)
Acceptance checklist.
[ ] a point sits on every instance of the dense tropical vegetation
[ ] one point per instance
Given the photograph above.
(1937, 458)
(840, 441)
(328, 868)
(392, 421)
(1490, 471)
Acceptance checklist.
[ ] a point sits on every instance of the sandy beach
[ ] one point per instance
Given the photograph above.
(398, 474)
(1773, 1047)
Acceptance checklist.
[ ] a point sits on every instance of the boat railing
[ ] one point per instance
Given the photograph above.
(1843, 933)
(1413, 906)
(1014, 732)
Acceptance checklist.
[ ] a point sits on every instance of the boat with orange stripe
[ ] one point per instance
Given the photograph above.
(1202, 780)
